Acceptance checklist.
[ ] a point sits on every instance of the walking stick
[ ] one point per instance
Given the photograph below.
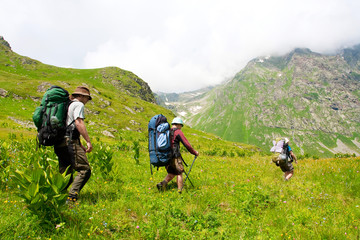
(187, 174)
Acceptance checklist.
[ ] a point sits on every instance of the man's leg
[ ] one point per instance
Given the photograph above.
(82, 167)
(288, 175)
(79, 182)
(162, 185)
(64, 159)
(180, 181)
(169, 177)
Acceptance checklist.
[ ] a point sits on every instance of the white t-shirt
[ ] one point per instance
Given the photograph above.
(75, 111)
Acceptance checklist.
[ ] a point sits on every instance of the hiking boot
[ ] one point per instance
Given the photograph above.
(71, 201)
(161, 186)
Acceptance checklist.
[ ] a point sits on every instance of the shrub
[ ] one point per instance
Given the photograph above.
(43, 191)
(136, 148)
(101, 156)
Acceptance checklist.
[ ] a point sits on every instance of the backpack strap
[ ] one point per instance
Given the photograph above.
(67, 129)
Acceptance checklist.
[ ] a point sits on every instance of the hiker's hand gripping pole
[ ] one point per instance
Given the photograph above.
(187, 175)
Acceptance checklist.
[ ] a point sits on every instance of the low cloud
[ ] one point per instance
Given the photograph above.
(176, 46)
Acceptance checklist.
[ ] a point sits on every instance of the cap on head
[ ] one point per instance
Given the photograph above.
(286, 140)
(82, 91)
(177, 120)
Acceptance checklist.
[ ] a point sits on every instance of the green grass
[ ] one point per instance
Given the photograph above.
(233, 198)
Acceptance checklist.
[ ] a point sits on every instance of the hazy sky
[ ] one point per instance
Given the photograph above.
(175, 45)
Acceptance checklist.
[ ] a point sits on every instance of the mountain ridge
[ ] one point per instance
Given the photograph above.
(121, 79)
(312, 98)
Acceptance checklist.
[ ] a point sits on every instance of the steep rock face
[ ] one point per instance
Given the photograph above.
(309, 97)
(4, 43)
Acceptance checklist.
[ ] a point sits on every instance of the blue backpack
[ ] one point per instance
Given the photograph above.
(160, 151)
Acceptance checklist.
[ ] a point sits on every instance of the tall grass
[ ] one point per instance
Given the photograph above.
(238, 197)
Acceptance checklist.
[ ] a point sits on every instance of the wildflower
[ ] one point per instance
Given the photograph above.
(137, 226)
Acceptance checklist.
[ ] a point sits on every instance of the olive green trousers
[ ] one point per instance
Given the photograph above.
(71, 154)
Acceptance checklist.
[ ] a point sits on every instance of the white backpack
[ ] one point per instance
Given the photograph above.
(279, 149)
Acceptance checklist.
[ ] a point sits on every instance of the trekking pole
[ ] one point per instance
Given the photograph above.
(187, 175)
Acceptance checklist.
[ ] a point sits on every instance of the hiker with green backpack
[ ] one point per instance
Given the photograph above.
(60, 123)
(283, 156)
(71, 153)
(175, 166)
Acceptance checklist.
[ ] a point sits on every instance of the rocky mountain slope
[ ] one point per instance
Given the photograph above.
(312, 98)
(184, 104)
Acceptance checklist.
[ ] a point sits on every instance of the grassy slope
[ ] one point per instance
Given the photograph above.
(234, 198)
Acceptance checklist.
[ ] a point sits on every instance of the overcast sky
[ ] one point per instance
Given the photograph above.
(175, 45)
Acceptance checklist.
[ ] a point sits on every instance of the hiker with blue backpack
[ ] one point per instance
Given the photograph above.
(71, 153)
(283, 157)
(175, 166)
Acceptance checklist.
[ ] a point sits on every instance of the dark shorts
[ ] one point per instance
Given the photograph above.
(175, 166)
(287, 167)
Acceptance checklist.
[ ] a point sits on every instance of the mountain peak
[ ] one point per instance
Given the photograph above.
(4, 43)
(302, 51)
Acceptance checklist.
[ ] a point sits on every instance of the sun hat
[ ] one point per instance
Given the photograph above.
(82, 91)
(177, 120)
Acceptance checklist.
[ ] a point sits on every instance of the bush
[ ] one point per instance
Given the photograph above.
(101, 158)
(43, 191)
(136, 148)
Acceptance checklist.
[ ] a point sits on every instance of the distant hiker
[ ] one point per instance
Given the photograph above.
(175, 166)
(71, 152)
(284, 156)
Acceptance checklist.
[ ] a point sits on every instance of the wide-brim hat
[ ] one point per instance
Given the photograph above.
(82, 91)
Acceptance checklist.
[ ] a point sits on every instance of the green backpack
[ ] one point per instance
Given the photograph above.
(50, 116)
